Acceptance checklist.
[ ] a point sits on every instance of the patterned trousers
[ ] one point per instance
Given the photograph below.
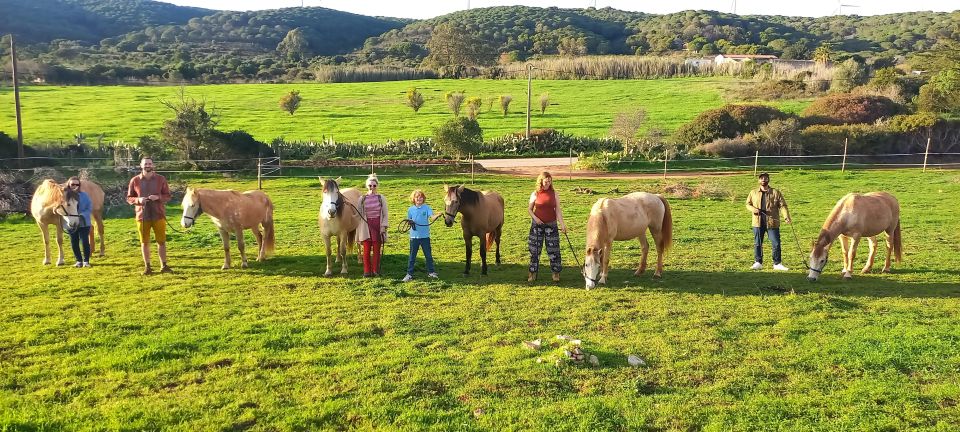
(540, 234)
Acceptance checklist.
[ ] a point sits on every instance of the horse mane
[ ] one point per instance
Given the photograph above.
(468, 197)
(596, 225)
(835, 213)
(71, 194)
(823, 241)
(330, 184)
(49, 192)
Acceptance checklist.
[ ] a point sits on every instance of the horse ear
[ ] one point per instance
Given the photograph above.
(460, 188)
(590, 250)
(338, 180)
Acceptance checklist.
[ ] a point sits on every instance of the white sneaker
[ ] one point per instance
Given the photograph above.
(78, 264)
(433, 275)
(756, 266)
(408, 278)
(780, 267)
(86, 264)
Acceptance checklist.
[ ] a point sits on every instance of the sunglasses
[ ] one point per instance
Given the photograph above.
(75, 185)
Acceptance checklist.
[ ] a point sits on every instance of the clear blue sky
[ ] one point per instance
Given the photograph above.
(432, 8)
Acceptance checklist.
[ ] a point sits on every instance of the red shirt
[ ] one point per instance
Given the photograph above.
(142, 187)
(545, 205)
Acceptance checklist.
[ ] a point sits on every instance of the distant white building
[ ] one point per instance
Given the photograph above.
(698, 62)
(740, 58)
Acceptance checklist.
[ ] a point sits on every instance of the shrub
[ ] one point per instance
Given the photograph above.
(458, 137)
(726, 122)
(727, 147)
(240, 144)
(844, 108)
(473, 107)
(626, 124)
(414, 99)
(864, 139)
(544, 102)
(779, 137)
(847, 76)
(290, 102)
(505, 104)
(549, 141)
(455, 101)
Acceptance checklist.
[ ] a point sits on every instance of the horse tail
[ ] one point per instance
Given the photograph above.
(897, 241)
(666, 226)
(269, 233)
(491, 239)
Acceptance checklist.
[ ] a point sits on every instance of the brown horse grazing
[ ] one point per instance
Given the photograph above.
(624, 219)
(339, 217)
(855, 216)
(52, 205)
(233, 212)
(95, 192)
(482, 217)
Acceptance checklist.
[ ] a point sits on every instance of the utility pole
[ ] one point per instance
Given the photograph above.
(529, 95)
(16, 97)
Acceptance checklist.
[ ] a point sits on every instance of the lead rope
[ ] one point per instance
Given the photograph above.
(577, 260)
(800, 249)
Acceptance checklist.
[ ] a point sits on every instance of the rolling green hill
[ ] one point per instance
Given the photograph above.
(88, 21)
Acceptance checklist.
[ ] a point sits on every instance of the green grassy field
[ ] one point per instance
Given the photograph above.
(280, 347)
(365, 112)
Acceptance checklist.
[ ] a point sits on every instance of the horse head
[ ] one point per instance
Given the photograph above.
(818, 256)
(332, 199)
(452, 203)
(68, 209)
(592, 263)
(191, 208)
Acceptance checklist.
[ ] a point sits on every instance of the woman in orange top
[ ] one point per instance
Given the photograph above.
(547, 223)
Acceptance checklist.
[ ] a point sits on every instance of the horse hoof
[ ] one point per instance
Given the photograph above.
(638, 273)
(657, 276)
(102, 254)
(244, 265)
(46, 263)
(885, 271)
(59, 263)
(328, 273)
(847, 276)
(226, 267)
(466, 274)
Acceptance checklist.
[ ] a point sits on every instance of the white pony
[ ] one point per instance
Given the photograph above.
(339, 217)
(52, 205)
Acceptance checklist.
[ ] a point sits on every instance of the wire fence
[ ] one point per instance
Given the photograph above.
(265, 169)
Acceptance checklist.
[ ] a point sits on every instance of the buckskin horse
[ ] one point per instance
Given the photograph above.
(625, 218)
(233, 212)
(855, 216)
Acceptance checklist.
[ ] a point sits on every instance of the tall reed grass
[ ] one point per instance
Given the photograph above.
(368, 73)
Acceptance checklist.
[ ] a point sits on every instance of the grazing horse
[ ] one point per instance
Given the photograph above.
(52, 205)
(233, 212)
(339, 217)
(482, 217)
(855, 216)
(624, 219)
(95, 192)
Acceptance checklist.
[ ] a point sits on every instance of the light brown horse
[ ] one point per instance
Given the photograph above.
(339, 217)
(95, 192)
(855, 216)
(233, 212)
(482, 217)
(626, 218)
(52, 205)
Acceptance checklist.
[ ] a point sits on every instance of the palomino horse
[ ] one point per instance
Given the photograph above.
(95, 192)
(482, 217)
(52, 205)
(624, 219)
(339, 217)
(233, 212)
(855, 216)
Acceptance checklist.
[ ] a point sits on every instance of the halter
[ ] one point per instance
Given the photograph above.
(66, 213)
(455, 211)
(195, 216)
(818, 271)
(583, 268)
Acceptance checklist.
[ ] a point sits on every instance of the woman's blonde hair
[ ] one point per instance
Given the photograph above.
(415, 194)
(543, 176)
(372, 178)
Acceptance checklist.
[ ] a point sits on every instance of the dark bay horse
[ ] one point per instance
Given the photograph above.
(482, 217)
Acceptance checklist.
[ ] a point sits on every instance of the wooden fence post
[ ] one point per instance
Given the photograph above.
(926, 154)
(473, 174)
(570, 170)
(843, 165)
(756, 161)
(259, 174)
(665, 159)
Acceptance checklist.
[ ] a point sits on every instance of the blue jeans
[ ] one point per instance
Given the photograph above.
(416, 244)
(81, 237)
(774, 235)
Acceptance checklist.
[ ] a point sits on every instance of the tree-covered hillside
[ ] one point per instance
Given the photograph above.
(522, 32)
(87, 20)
